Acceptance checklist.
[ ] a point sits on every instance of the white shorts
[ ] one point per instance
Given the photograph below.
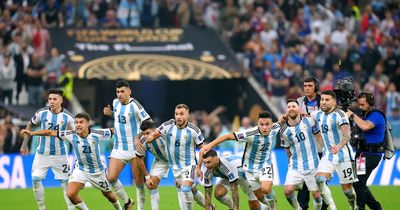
(59, 164)
(159, 168)
(265, 174)
(294, 177)
(98, 180)
(124, 156)
(186, 174)
(345, 170)
(243, 183)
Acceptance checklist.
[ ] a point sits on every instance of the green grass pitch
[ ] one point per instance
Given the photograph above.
(22, 199)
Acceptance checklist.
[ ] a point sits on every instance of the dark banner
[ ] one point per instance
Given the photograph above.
(96, 51)
(160, 97)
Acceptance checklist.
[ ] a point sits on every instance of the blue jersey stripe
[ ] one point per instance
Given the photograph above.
(294, 155)
(177, 148)
(336, 137)
(303, 150)
(76, 149)
(53, 139)
(43, 138)
(97, 150)
(253, 153)
(117, 137)
(264, 151)
(87, 155)
(188, 148)
(122, 130)
(169, 145)
(312, 144)
(63, 128)
(326, 137)
(133, 124)
(158, 151)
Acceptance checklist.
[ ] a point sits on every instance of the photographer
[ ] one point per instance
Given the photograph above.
(372, 126)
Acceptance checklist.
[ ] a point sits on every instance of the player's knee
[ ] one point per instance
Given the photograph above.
(219, 194)
(288, 191)
(186, 189)
(320, 179)
(254, 205)
(111, 178)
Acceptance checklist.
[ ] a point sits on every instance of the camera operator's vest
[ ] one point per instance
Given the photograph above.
(373, 148)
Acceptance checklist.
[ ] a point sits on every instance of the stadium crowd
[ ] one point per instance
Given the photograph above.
(280, 42)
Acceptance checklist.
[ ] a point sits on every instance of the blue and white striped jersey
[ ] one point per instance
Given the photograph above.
(48, 120)
(156, 147)
(181, 143)
(258, 148)
(329, 124)
(302, 145)
(87, 150)
(229, 168)
(127, 120)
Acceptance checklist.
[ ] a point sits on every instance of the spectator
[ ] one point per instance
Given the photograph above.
(149, 13)
(280, 83)
(66, 83)
(166, 13)
(392, 99)
(110, 21)
(34, 81)
(12, 140)
(40, 40)
(7, 77)
(54, 64)
(128, 13)
(327, 83)
(339, 36)
(51, 14)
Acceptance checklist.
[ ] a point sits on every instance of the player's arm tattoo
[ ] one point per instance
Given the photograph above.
(208, 191)
(235, 194)
(26, 138)
(346, 134)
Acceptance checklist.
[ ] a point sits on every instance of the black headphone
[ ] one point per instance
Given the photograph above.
(315, 81)
(369, 98)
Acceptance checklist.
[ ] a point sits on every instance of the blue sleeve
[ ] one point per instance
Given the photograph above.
(376, 118)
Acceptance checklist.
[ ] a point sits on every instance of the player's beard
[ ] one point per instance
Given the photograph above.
(293, 116)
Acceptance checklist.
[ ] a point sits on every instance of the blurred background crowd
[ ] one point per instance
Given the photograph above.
(279, 43)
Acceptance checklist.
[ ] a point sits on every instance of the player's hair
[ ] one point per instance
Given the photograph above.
(122, 83)
(290, 100)
(179, 106)
(265, 114)
(329, 93)
(147, 124)
(56, 91)
(210, 153)
(83, 115)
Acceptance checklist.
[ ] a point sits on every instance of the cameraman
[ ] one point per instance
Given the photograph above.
(372, 125)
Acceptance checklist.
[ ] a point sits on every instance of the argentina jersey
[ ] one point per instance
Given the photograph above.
(258, 148)
(156, 147)
(48, 120)
(127, 120)
(302, 145)
(87, 150)
(330, 127)
(181, 143)
(227, 169)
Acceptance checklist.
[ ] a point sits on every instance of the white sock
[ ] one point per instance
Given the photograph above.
(263, 206)
(271, 200)
(116, 205)
(38, 191)
(188, 200)
(292, 199)
(119, 190)
(199, 198)
(351, 197)
(82, 206)
(325, 193)
(155, 199)
(181, 199)
(70, 205)
(227, 200)
(317, 203)
(140, 197)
